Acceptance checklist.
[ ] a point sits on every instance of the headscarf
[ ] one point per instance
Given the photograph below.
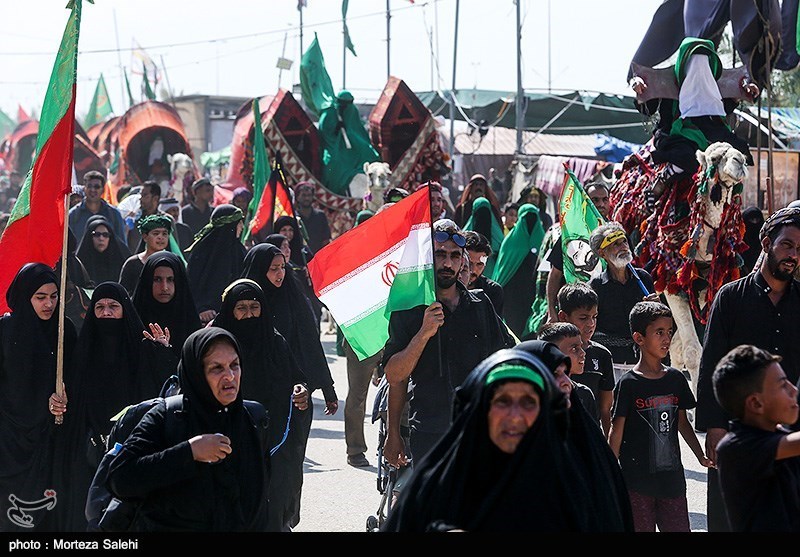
(482, 221)
(244, 193)
(781, 217)
(216, 257)
(180, 313)
(753, 220)
(363, 215)
(276, 240)
(234, 476)
(151, 222)
(299, 250)
(595, 460)
(107, 265)
(526, 237)
(292, 315)
(464, 208)
(465, 482)
(108, 356)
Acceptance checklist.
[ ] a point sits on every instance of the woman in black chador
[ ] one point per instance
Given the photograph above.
(100, 251)
(200, 467)
(35, 459)
(272, 377)
(163, 296)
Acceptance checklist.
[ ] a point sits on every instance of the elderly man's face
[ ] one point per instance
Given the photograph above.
(617, 254)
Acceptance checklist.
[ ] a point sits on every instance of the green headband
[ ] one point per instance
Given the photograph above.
(217, 222)
(515, 371)
(151, 222)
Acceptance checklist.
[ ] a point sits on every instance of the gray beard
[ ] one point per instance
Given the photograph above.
(620, 261)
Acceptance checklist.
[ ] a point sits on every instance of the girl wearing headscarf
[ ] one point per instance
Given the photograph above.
(479, 479)
(100, 251)
(34, 452)
(515, 269)
(273, 378)
(481, 220)
(155, 231)
(163, 296)
(215, 259)
(293, 318)
(116, 364)
(213, 476)
(300, 255)
(596, 460)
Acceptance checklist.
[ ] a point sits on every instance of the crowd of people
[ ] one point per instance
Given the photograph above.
(570, 424)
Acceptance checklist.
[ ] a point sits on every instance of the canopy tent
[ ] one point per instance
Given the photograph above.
(571, 113)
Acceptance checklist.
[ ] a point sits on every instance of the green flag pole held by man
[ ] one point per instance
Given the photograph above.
(100, 108)
(261, 170)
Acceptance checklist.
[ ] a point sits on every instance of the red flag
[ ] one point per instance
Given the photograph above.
(22, 116)
(35, 230)
(276, 201)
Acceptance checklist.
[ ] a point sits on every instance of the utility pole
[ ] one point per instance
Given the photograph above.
(549, 50)
(300, 9)
(453, 90)
(388, 41)
(520, 91)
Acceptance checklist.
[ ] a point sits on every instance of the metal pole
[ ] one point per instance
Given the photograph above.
(770, 176)
(549, 49)
(166, 77)
(453, 90)
(388, 41)
(300, 9)
(520, 91)
(344, 55)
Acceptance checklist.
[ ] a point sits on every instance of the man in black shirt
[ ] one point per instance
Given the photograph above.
(315, 221)
(468, 331)
(198, 213)
(618, 290)
(761, 309)
(479, 251)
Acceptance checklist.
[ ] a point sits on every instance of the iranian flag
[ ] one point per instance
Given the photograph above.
(382, 265)
(35, 230)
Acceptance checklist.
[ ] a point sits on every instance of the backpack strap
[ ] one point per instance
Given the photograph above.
(174, 423)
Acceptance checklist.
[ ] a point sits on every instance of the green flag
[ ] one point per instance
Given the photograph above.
(261, 169)
(578, 217)
(347, 42)
(6, 124)
(128, 87)
(101, 105)
(148, 91)
(315, 83)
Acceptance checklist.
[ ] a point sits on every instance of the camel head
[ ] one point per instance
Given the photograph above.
(379, 174)
(730, 164)
(180, 164)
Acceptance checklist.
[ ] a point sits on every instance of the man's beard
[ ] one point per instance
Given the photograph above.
(445, 281)
(621, 259)
(774, 267)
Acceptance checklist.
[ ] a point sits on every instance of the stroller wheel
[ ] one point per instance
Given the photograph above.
(372, 524)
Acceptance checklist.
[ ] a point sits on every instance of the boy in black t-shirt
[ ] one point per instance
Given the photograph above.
(650, 403)
(758, 460)
(577, 304)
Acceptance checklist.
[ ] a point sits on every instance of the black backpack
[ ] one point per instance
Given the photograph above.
(106, 513)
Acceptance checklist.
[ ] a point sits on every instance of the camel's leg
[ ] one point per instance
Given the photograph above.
(692, 349)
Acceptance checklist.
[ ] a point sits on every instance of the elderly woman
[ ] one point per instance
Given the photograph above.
(503, 465)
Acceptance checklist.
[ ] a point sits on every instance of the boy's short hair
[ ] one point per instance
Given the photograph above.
(739, 374)
(93, 175)
(577, 295)
(644, 313)
(477, 242)
(555, 332)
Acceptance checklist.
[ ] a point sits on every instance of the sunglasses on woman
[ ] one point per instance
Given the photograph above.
(442, 236)
(97, 234)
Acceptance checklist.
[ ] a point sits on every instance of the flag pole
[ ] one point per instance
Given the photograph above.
(433, 270)
(62, 309)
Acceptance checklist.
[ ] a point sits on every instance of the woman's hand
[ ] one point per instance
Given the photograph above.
(331, 407)
(300, 396)
(210, 447)
(207, 316)
(156, 334)
(58, 404)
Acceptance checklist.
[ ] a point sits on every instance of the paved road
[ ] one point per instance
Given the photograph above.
(340, 498)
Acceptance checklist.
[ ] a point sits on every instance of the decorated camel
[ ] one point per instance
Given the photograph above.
(181, 169)
(688, 234)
